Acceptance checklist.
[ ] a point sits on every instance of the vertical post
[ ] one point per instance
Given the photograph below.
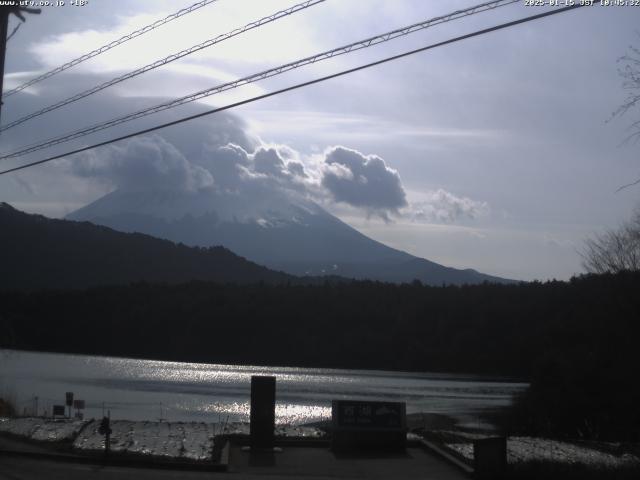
(105, 429)
(490, 458)
(69, 401)
(107, 443)
(263, 411)
(4, 27)
(4, 30)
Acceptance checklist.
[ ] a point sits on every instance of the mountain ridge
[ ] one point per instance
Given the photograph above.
(39, 252)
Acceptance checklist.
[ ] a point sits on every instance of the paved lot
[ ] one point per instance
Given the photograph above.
(293, 462)
(21, 446)
(22, 468)
(305, 462)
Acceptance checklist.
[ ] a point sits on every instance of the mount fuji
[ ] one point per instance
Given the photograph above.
(277, 230)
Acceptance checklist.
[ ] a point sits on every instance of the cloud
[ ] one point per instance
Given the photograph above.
(221, 154)
(143, 163)
(341, 176)
(225, 163)
(297, 169)
(267, 161)
(363, 181)
(264, 45)
(443, 206)
(234, 167)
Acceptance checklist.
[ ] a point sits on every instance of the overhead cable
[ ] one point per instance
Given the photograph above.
(297, 86)
(108, 46)
(164, 61)
(366, 43)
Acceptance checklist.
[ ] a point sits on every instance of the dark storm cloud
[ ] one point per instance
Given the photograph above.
(268, 162)
(143, 163)
(225, 164)
(363, 181)
(297, 169)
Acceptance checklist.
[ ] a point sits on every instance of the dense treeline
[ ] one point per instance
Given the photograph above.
(576, 341)
(487, 328)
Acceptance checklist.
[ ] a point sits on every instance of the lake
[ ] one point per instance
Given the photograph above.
(176, 391)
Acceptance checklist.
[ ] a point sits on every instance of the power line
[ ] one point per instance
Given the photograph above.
(632, 184)
(164, 61)
(385, 37)
(14, 31)
(299, 85)
(109, 46)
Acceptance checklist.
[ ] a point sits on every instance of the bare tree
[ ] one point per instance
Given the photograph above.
(630, 73)
(615, 250)
(629, 70)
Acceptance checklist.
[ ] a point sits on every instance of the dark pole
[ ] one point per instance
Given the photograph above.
(107, 443)
(4, 26)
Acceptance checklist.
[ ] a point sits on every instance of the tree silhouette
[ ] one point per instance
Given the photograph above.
(616, 250)
(630, 73)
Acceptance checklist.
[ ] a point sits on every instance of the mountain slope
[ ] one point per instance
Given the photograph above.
(38, 252)
(293, 235)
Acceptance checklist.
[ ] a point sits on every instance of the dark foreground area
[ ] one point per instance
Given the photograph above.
(25, 468)
(291, 462)
(575, 341)
(18, 468)
(295, 458)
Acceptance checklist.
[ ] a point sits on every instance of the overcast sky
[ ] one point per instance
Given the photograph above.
(493, 153)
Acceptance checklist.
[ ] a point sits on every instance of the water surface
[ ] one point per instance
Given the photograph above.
(150, 390)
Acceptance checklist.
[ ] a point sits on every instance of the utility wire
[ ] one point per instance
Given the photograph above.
(385, 37)
(14, 31)
(299, 85)
(109, 46)
(632, 184)
(165, 61)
